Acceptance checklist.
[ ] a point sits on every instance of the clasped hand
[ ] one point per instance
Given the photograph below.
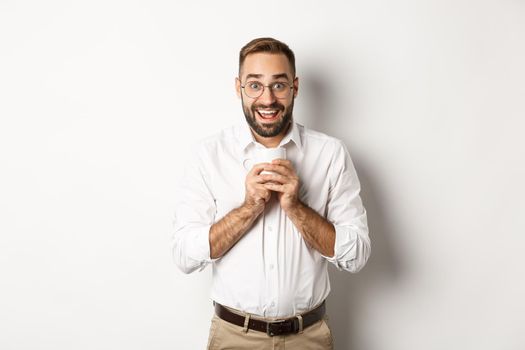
(283, 180)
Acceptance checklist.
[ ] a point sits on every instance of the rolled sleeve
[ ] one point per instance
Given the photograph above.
(191, 248)
(346, 212)
(195, 211)
(352, 249)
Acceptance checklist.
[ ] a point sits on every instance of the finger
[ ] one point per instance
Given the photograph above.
(261, 190)
(262, 178)
(263, 193)
(257, 168)
(267, 195)
(275, 187)
(280, 169)
(274, 177)
(284, 162)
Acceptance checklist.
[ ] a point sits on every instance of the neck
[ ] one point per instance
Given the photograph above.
(271, 142)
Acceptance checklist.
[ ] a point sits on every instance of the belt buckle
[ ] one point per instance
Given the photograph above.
(272, 332)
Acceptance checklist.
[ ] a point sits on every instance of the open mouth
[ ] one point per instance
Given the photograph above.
(268, 114)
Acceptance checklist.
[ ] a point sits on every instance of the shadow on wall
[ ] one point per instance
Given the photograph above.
(346, 307)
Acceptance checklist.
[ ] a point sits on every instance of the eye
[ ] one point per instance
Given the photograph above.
(254, 85)
(278, 86)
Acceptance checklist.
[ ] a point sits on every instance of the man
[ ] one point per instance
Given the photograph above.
(269, 236)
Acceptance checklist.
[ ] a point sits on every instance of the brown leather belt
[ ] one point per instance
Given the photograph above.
(280, 327)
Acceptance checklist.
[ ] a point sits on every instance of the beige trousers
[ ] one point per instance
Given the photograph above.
(225, 335)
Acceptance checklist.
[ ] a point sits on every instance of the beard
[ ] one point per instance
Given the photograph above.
(268, 130)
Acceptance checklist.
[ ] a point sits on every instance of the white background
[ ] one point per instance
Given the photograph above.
(99, 101)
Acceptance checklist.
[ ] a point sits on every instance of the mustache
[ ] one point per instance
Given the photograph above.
(275, 105)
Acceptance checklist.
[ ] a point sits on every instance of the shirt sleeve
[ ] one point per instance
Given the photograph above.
(346, 212)
(194, 215)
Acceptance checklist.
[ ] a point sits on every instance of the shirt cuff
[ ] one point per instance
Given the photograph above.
(345, 247)
(200, 246)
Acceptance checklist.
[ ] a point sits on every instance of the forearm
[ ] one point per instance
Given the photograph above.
(227, 231)
(315, 229)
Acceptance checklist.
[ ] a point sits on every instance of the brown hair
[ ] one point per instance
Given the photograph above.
(269, 45)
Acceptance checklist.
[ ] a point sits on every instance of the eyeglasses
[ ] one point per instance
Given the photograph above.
(255, 89)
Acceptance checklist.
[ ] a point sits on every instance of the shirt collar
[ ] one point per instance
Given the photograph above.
(246, 137)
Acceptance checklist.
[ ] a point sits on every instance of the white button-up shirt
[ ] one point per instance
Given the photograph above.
(271, 271)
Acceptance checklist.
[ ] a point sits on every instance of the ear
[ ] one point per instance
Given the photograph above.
(295, 87)
(238, 87)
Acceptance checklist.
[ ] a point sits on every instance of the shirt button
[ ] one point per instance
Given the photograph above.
(271, 266)
(270, 228)
(272, 304)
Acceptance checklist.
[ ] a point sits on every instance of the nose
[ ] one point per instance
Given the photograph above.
(267, 96)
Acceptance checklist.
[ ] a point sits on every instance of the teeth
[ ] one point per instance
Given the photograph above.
(267, 112)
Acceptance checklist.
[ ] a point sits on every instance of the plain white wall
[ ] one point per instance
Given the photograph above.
(99, 100)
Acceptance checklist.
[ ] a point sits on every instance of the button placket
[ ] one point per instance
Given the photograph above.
(271, 242)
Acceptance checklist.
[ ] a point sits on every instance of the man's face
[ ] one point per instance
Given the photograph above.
(267, 114)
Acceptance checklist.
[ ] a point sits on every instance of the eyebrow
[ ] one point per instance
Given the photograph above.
(275, 76)
(281, 75)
